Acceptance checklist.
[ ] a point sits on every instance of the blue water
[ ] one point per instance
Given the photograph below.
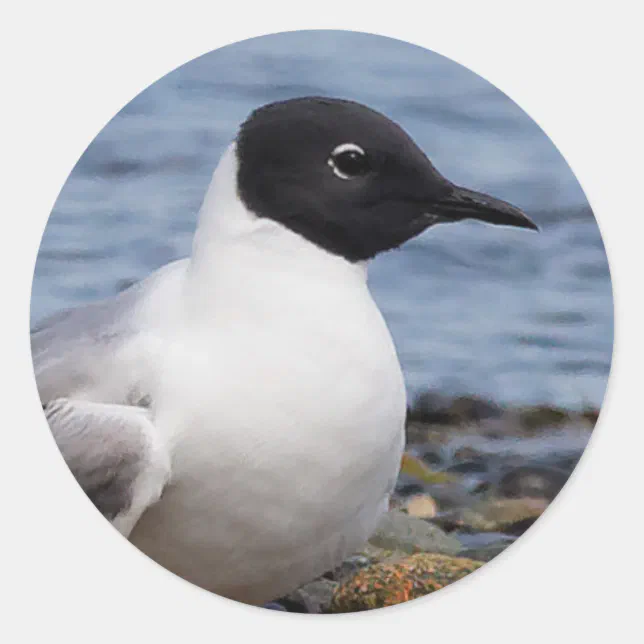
(509, 314)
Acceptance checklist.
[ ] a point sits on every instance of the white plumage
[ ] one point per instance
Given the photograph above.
(240, 414)
(274, 389)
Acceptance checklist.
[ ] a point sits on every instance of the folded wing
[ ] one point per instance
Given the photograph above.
(114, 453)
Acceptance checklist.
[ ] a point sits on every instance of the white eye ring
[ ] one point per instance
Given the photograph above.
(343, 147)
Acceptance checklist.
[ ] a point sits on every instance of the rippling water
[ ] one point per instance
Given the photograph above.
(516, 316)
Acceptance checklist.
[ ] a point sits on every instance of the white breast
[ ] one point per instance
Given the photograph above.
(282, 400)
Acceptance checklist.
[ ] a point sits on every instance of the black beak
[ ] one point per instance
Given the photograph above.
(462, 203)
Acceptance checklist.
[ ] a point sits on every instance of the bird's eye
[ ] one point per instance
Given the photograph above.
(349, 161)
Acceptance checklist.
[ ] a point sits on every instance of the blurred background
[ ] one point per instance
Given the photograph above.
(510, 316)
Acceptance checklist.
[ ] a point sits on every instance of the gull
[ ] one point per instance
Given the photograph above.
(239, 414)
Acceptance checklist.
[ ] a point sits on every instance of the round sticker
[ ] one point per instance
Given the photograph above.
(321, 322)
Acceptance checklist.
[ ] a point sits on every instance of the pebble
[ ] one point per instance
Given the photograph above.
(421, 506)
(399, 531)
(532, 481)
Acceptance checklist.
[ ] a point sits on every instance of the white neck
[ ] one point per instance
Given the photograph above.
(229, 237)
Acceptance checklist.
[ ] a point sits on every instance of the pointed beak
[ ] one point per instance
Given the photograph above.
(461, 203)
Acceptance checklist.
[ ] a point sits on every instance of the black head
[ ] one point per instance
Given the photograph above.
(349, 179)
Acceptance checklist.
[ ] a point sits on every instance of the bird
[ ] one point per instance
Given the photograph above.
(239, 414)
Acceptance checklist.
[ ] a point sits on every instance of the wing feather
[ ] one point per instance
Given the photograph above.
(114, 453)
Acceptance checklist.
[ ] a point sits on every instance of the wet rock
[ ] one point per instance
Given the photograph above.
(433, 417)
(406, 487)
(467, 453)
(508, 516)
(483, 546)
(542, 416)
(483, 539)
(473, 466)
(431, 456)
(463, 520)
(314, 597)
(517, 528)
(451, 496)
(393, 583)
(532, 481)
(504, 512)
(479, 488)
(486, 551)
(421, 506)
(399, 531)
(433, 408)
(416, 433)
(565, 462)
(350, 566)
(472, 409)
(590, 416)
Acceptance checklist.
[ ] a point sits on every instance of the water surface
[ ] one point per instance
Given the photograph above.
(504, 313)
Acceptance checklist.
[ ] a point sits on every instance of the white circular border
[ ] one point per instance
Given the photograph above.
(70, 68)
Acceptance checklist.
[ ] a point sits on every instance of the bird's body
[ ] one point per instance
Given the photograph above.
(239, 415)
(267, 407)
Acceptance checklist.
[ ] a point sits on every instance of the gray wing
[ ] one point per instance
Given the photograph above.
(93, 368)
(114, 453)
(107, 350)
(78, 350)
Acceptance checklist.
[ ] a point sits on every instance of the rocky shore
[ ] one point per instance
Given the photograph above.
(476, 477)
